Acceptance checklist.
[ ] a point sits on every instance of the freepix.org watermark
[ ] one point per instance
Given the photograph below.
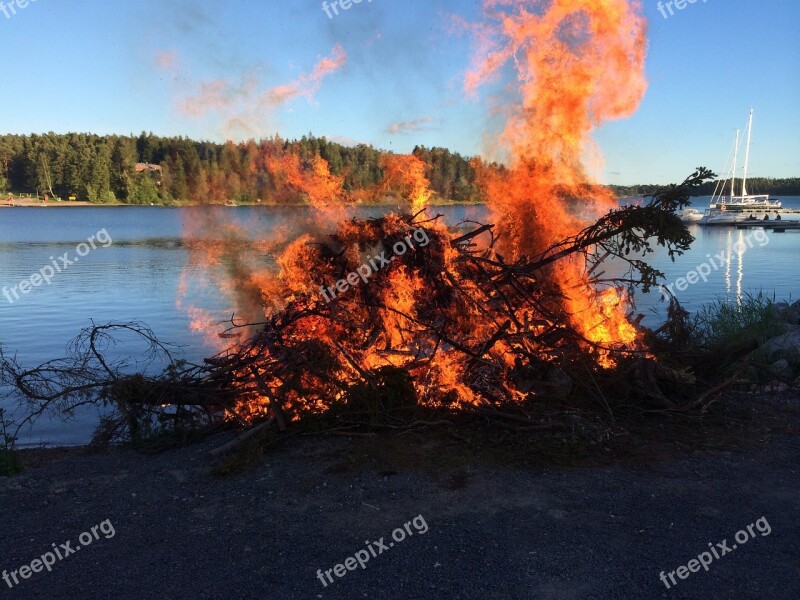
(337, 4)
(60, 552)
(9, 8)
(57, 265)
(704, 559)
(370, 266)
(716, 262)
(664, 7)
(362, 557)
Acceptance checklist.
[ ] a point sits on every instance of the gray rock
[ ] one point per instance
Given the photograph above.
(792, 315)
(786, 346)
(787, 313)
(782, 369)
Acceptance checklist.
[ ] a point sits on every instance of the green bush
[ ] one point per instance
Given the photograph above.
(722, 322)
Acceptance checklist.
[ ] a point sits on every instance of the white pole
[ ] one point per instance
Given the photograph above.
(747, 154)
(735, 156)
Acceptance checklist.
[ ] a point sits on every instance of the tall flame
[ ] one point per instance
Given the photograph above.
(579, 63)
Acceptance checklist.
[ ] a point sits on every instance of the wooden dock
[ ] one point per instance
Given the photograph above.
(771, 225)
(774, 226)
(739, 219)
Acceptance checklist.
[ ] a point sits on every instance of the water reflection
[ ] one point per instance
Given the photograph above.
(740, 247)
(740, 250)
(728, 255)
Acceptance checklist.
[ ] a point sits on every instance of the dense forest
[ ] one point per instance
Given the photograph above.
(151, 169)
(755, 185)
(162, 170)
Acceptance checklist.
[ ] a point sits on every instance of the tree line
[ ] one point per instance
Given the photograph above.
(103, 169)
(755, 185)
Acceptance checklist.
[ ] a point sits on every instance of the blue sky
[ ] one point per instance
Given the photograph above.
(125, 67)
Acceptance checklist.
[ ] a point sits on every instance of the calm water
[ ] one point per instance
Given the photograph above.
(136, 278)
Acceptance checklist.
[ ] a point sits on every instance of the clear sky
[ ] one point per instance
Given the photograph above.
(385, 72)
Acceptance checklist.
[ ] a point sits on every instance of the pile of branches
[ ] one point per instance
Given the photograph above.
(364, 354)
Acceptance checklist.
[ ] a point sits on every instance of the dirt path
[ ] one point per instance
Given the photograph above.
(492, 531)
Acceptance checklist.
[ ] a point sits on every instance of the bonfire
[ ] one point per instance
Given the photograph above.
(402, 313)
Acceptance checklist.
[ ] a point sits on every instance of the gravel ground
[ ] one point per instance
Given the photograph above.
(483, 529)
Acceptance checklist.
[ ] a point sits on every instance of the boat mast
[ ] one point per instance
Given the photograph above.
(733, 169)
(747, 154)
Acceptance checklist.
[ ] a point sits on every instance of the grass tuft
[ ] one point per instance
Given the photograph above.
(721, 322)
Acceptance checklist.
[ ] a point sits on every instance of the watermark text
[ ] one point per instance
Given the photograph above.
(60, 552)
(9, 9)
(362, 557)
(332, 9)
(664, 7)
(717, 551)
(714, 263)
(57, 265)
(370, 266)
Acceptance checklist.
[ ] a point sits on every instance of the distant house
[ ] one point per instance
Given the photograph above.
(140, 167)
(154, 171)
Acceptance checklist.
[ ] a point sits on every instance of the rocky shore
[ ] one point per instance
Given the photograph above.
(782, 352)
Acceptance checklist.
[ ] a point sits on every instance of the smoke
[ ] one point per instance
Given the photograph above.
(244, 107)
(412, 126)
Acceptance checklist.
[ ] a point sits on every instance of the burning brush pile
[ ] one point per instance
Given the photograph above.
(532, 309)
(447, 324)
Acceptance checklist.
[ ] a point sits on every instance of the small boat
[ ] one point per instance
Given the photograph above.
(716, 217)
(691, 215)
(743, 202)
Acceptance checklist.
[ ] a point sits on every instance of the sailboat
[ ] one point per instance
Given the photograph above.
(745, 201)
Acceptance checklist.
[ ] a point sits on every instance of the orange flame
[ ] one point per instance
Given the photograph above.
(406, 173)
(579, 64)
(314, 179)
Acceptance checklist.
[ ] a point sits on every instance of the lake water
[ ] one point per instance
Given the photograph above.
(136, 277)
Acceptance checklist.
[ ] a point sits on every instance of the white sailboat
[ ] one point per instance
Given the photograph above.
(745, 201)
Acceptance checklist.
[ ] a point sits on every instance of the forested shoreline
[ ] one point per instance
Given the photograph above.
(150, 169)
(161, 170)
(755, 185)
